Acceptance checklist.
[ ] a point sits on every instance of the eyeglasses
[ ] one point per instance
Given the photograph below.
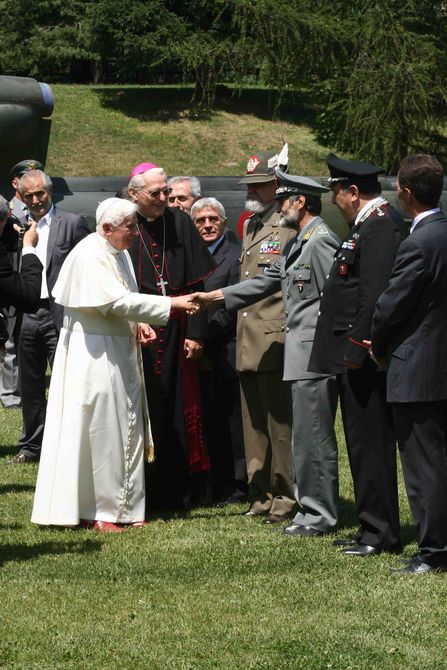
(180, 198)
(156, 194)
(201, 220)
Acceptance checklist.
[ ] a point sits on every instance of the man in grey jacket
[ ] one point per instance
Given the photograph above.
(301, 273)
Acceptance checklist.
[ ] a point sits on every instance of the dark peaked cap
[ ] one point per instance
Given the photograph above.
(25, 166)
(289, 184)
(343, 170)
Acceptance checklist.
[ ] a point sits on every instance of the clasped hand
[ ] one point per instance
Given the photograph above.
(203, 300)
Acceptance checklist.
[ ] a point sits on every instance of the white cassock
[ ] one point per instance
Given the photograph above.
(97, 427)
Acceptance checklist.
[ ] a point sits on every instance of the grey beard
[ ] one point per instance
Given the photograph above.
(254, 206)
(288, 222)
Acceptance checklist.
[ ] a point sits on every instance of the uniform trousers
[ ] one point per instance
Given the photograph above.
(9, 377)
(267, 418)
(422, 436)
(371, 445)
(37, 346)
(315, 455)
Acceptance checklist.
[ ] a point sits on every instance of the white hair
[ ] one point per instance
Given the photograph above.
(137, 182)
(34, 175)
(207, 202)
(113, 211)
(194, 184)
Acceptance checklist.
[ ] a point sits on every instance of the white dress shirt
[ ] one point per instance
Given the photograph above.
(43, 231)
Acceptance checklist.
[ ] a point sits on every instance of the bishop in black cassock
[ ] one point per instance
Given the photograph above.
(170, 258)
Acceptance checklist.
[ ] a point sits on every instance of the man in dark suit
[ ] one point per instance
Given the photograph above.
(360, 272)
(20, 289)
(220, 384)
(9, 374)
(58, 233)
(409, 327)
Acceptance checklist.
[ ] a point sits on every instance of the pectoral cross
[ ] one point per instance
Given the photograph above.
(161, 285)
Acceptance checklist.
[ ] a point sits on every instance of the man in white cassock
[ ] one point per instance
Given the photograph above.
(97, 431)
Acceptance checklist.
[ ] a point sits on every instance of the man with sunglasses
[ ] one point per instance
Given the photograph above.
(170, 258)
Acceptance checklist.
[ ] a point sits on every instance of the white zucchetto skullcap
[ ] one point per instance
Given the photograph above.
(113, 209)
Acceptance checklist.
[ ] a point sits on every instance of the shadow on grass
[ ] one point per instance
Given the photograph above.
(20, 552)
(15, 488)
(9, 449)
(346, 514)
(10, 526)
(159, 103)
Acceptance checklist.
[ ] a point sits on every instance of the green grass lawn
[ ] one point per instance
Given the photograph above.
(214, 590)
(105, 130)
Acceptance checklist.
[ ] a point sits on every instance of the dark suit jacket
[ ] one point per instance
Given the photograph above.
(66, 230)
(221, 345)
(21, 289)
(410, 319)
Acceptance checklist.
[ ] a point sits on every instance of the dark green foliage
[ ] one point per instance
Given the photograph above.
(46, 39)
(389, 98)
(375, 69)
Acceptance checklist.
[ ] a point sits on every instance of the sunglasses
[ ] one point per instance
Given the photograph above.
(156, 194)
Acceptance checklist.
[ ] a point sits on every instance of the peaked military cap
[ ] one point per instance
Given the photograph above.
(289, 184)
(344, 170)
(25, 166)
(261, 166)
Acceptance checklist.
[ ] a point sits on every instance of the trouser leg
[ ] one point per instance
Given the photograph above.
(37, 346)
(371, 444)
(266, 416)
(422, 435)
(315, 456)
(9, 376)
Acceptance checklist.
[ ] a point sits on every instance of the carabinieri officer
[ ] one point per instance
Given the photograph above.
(360, 272)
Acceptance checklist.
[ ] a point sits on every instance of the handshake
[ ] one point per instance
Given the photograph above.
(197, 302)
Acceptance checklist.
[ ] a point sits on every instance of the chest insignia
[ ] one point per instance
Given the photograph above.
(343, 270)
(270, 247)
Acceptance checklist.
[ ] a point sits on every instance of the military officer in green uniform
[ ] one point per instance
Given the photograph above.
(265, 399)
(301, 272)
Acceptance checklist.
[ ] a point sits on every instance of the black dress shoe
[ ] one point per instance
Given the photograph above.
(362, 550)
(231, 500)
(344, 541)
(297, 529)
(407, 560)
(417, 567)
(23, 458)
